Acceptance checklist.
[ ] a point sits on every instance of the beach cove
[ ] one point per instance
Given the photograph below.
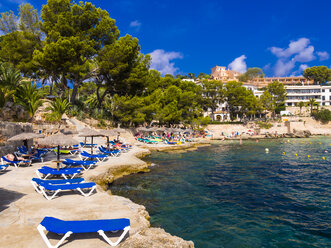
(25, 208)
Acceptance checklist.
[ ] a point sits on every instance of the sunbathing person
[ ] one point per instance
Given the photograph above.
(14, 157)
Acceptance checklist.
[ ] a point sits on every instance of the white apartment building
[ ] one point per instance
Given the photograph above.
(295, 94)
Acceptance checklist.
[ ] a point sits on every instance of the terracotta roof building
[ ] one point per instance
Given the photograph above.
(223, 74)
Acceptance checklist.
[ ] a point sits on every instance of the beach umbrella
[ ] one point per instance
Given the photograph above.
(25, 137)
(108, 133)
(88, 132)
(68, 131)
(58, 140)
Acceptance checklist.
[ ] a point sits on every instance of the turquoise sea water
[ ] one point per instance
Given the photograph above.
(231, 195)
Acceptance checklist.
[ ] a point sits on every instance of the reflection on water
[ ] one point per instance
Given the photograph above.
(232, 195)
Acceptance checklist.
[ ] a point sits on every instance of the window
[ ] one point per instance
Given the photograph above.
(330, 98)
(323, 98)
(323, 103)
(289, 104)
(323, 90)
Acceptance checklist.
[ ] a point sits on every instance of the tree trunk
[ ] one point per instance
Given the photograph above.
(101, 98)
(63, 85)
(74, 91)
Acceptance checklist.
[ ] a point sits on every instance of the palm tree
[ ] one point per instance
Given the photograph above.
(5, 95)
(29, 97)
(9, 76)
(312, 102)
(301, 105)
(58, 108)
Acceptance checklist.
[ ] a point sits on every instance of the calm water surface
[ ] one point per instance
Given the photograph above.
(229, 195)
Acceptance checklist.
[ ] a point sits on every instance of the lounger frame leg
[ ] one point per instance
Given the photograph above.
(42, 189)
(39, 175)
(86, 194)
(42, 230)
(35, 185)
(102, 234)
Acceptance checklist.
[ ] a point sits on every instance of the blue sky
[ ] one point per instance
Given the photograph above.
(282, 37)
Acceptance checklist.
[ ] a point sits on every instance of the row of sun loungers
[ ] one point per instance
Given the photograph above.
(52, 187)
(51, 182)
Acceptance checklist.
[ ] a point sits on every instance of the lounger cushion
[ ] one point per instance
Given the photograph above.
(54, 187)
(60, 181)
(93, 155)
(78, 162)
(84, 226)
(68, 171)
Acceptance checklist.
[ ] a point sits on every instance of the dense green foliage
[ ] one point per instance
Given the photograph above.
(29, 97)
(320, 74)
(273, 98)
(251, 73)
(75, 50)
(323, 116)
(57, 108)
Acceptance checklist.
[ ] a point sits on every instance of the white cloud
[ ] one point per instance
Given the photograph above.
(135, 24)
(303, 67)
(239, 64)
(161, 61)
(306, 55)
(297, 51)
(323, 55)
(293, 48)
(298, 72)
(283, 67)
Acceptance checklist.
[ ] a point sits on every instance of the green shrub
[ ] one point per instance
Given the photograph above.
(57, 108)
(264, 125)
(225, 122)
(323, 115)
(81, 115)
(102, 123)
(73, 111)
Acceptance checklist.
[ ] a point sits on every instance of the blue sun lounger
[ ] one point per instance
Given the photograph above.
(3, 167)
(66, 172)
(86, 145)
(15, 163)
(67, 228)
(99, 157)
(50, 190)
(85, 164)
(58, 181)
(113, 153)
(37, 181)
